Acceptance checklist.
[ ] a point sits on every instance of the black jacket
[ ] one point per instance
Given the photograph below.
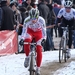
(44, 10)
(8, 18)
(24, 4)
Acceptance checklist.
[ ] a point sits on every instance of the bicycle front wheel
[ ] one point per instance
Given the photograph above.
(64, 50)
(31, 68)
(61, 51)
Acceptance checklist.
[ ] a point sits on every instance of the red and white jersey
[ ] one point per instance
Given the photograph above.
(40, 25)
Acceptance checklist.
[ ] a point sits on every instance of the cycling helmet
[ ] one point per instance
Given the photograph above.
(68, 3)
(34, 13)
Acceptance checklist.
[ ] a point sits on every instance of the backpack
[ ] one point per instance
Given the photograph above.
(1, 16)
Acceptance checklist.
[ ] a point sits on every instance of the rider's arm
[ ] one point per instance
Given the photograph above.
(24, 29)
(60, 14)
(44, 29)
(23, 32)
(58, 20)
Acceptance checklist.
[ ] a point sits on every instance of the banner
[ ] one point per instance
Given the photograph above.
(8, 42)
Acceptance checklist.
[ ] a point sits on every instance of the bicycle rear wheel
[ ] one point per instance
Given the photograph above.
(31, 68)
(60, 51)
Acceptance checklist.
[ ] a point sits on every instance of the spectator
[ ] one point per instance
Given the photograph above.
(26, 3)
(43, 9)
(28, 9)
(8, 2)
(8, 17)
(23, 11)
(24, 14)
(17, 15)
(56, 9)
(51, 22)
(34, 3)
(52, 17)
(44, 12)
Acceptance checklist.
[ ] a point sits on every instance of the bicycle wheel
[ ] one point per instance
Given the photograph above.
(64, 50)
(31, 68)
(20, 49)
(60, 51)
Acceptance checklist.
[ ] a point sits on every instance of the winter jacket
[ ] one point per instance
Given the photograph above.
(8, 18)
(44, 10)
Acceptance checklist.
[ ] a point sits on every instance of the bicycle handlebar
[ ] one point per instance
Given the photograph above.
(30, 43)
(67, 27)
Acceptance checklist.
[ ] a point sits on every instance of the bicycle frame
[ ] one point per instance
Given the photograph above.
(63, 45)
(65, 37)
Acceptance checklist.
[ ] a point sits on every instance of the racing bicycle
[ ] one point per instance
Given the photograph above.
(63, 45)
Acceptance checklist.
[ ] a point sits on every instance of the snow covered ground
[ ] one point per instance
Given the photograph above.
(13, 64)
(69, 70)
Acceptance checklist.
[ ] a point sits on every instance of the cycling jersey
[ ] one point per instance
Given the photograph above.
(67, 16)
(38, 26)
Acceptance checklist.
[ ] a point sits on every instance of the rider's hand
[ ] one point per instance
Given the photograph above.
(21, 42)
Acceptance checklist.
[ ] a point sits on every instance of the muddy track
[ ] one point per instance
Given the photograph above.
(51, 67)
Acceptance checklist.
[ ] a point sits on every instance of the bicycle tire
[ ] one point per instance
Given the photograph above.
(65, 56)
(64, 48)
(31, 68)
(20, 49)
(60, 51)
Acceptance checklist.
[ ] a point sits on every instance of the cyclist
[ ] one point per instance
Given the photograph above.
(66, 16)
(34, 27)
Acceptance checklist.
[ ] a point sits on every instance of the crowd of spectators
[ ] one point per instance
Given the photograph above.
(15, 11)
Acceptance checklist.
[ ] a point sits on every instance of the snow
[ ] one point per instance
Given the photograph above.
(69, 70)
(14, 64)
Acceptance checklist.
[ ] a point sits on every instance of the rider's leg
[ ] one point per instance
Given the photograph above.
(38, 58)
(27, 47)
(69, 43)
(39, 55)
(28, 38)
(70, 38)
(27, 50)
(38, 39)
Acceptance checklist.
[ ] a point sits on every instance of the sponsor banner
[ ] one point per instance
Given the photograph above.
(8, 42)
